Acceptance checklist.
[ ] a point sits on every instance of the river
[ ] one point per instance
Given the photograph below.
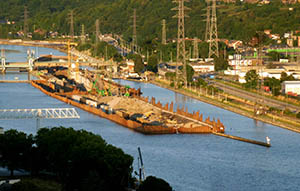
(187, 162)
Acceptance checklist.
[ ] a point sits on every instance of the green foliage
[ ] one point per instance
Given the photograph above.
(201, 82)
(15, 148)
(285, 77)
(170, 75)
(154, 184)
(36, 185)
(275, 56)
(78, 159)
(190, 73)
(235, 21)
(221, 63)
(251, 79)
(84, 46)
(298, 115)
(273, 84)
(138, 64)
(107, 51)
(152, 63)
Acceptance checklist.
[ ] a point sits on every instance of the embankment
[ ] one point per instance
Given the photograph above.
(237, 110)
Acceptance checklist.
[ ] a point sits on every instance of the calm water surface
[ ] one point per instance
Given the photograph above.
(187, 162)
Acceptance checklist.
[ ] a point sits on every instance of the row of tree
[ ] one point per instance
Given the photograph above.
(79, 160)
(253, 82)
(115, 17)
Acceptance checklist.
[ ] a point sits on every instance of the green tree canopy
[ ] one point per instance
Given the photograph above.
(251, 79)
(15, 148)
(154, 184)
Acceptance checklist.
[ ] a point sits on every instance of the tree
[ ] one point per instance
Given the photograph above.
(15, 148)
(274, 85)
(285, 77)
(138, 64)
(152, 63)
(189, 72)
(86, 161)
(251, 79)
(154, 184)
(221, 63)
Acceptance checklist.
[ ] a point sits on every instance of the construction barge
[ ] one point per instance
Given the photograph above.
(121, 104)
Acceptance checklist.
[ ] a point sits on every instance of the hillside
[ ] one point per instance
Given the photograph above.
(235, 21)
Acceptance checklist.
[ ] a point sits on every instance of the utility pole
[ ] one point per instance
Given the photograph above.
(97, 31)
(181, 54)
(25, 22)
(213, 34)
(207, 20)
(82, 34)
(134, 38)
(71, 17)
(196, 51)
(163, 36)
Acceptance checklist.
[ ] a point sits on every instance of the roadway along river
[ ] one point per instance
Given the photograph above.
(187, 162)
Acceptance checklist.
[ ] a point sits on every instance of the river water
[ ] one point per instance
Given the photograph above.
(187, 162)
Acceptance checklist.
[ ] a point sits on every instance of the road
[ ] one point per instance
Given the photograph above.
(255, 97)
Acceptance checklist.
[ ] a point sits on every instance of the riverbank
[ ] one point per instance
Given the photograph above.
(270, 119)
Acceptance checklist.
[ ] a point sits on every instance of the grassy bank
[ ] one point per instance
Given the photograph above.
(281, 121)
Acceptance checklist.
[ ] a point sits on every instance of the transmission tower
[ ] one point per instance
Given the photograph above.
(97, 31)
(196, 51)
(181, 55)
(163, 35)
(208, 10)
(213, 33)
(82, 34)
(25, 22)
(71, 17)
(134, 38)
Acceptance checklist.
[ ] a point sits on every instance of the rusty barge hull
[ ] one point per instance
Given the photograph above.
(134, 125)
(112, 117)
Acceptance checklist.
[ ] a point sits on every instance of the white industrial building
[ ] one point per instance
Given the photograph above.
(290, 87)
(203, 67)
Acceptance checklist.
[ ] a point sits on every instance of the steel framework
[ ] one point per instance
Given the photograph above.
(213, 35)
(38, 114)
(47, 113)
(181, 54)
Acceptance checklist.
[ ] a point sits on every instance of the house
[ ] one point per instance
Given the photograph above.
(290, 87)
(1, 131)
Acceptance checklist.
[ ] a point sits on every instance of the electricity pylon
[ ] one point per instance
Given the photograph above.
(181, 54)
(207, 30)
(97, 31)
(134, 37)
(71, 17)
(213, 34)
(82, 34)
(163, 35)
(196, 51)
